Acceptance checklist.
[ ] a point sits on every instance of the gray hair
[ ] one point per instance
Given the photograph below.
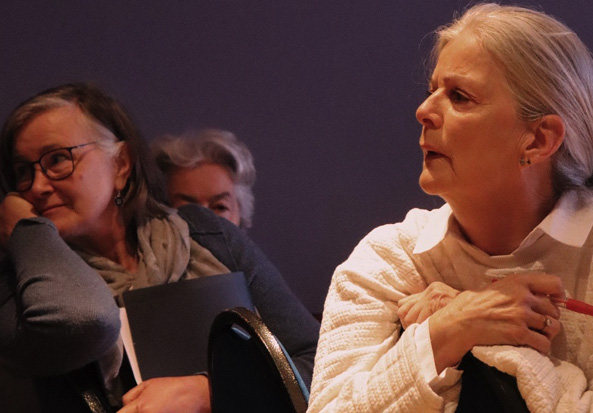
(548, 69)
(216, 146)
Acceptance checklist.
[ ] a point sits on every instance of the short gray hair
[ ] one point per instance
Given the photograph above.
(216, 146)
(548, 69)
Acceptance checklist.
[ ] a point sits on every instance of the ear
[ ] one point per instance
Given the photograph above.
(547, 137)
(123, 165)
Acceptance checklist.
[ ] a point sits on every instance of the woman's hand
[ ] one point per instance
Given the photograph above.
(511, 311)
(12, 209)
(189, 394)
(418, 307)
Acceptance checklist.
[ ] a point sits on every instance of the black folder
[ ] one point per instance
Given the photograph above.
(170, 323)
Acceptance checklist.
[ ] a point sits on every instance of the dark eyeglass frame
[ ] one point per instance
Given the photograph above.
(31, 165)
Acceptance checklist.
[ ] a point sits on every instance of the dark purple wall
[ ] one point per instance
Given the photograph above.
(323, 92)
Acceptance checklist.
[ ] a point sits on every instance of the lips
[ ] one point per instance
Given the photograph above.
(51, 209)
(430, 152)
(429, 155)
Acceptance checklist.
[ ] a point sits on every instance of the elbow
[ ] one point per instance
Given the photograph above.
(51, 349)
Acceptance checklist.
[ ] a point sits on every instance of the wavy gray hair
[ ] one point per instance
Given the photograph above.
(211, 145)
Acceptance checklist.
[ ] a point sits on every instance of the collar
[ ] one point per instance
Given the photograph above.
(569, 222)
(435, 230)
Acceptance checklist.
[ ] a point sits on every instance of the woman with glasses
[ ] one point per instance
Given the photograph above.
(81, 223)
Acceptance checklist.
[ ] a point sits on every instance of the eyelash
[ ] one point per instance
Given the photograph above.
(456, 96)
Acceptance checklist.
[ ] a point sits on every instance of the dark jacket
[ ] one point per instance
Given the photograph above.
(57, 316)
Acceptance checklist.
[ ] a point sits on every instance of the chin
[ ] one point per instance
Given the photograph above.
(429, 185)
(65, 228)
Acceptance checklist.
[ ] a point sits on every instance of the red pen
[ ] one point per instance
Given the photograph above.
(573, 305)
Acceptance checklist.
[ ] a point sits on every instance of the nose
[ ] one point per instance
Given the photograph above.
(41, 185)
(428, 114)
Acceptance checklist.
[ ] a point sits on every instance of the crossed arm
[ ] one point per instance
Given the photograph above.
(512, 311)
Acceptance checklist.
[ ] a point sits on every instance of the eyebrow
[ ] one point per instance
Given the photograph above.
(43, 150)
(184, 197)
(467, 79)
(447, 78)
(221, 196)
(193, 200)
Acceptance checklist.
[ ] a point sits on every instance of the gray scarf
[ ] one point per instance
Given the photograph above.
(166, 254)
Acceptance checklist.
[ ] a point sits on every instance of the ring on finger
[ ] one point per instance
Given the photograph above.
(547, 322)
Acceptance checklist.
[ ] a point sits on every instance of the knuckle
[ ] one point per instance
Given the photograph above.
(519, 335)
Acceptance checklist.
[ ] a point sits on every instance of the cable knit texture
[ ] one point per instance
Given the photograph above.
(365, 364)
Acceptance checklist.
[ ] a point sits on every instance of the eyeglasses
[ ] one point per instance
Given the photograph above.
(56, 164)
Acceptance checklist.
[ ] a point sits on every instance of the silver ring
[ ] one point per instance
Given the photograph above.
(547, 323)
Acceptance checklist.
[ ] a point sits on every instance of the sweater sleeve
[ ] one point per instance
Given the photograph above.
(56, 313)
(283, 313)
(363, 361)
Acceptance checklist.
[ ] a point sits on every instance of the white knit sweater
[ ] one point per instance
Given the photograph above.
(363, 364)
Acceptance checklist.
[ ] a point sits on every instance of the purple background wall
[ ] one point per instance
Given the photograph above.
(323, 92)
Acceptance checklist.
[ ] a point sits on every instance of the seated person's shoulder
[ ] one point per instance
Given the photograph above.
(415, 221)
(203, 219)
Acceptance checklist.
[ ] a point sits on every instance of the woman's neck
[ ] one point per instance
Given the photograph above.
(122, 254)
(113, 244)
(498, 226)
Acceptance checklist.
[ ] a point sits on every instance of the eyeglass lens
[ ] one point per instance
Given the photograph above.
(55, 164)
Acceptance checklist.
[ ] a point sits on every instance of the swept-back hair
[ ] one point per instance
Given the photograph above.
(548, 69)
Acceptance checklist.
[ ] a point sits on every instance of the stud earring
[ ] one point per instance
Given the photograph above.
(524, 162)
(118, 199)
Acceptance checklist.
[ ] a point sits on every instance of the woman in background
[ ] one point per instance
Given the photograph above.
(210, 168)
(508, 144)
(82, 222)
